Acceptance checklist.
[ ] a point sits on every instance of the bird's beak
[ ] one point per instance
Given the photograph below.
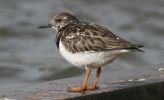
(46, 26)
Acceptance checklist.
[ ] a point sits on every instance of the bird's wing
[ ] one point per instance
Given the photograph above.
(95, 38)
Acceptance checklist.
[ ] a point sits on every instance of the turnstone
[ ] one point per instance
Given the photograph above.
(90, 45)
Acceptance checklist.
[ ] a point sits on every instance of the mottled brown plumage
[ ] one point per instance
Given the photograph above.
(82, 36)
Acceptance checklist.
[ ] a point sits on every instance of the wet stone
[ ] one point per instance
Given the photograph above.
(150, 87)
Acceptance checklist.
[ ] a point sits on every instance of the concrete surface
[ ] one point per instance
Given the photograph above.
(146, 86)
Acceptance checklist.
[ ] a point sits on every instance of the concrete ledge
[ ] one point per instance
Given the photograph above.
(150, 88)
(144, 92)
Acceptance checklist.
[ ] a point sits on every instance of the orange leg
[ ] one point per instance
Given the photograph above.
(83, 87)
(94, 87)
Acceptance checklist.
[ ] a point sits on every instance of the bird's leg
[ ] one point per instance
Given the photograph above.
(83, 87)
(94, 86)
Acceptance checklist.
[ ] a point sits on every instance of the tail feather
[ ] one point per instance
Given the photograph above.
(136, 48)
(139, 50)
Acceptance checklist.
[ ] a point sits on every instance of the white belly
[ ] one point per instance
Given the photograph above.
(95, 59)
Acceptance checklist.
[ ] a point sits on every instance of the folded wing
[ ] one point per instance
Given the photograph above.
(96, 38)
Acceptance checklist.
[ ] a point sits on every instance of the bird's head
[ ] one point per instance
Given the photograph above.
(60, 20)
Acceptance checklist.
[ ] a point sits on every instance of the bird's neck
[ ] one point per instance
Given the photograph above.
(63, 26)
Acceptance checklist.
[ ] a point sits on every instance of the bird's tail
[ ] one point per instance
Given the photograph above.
(136, 47)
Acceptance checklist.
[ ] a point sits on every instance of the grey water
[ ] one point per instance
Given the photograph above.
(29, 54)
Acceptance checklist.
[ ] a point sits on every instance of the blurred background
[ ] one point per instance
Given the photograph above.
(29, 54)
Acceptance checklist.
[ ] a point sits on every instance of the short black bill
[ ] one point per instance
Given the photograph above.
(47, 26)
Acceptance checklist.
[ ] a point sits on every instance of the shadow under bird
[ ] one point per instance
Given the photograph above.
(90, 45)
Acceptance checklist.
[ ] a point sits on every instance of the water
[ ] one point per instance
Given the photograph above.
(29, 54)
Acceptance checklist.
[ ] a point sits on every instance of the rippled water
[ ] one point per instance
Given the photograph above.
(28, 54)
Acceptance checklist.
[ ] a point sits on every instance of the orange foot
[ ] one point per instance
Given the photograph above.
(92, 88)
(77, 89)
(83, 89)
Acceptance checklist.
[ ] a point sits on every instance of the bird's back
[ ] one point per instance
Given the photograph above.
(82, 36)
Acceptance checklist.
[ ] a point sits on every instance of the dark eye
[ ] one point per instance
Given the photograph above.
(58, 20)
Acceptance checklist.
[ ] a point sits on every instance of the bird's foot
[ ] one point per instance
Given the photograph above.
(82, 89)
(92, 88)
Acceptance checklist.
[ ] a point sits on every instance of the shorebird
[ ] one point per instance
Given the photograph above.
(86, 44)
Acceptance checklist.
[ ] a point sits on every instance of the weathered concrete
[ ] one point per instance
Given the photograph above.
(149, 86)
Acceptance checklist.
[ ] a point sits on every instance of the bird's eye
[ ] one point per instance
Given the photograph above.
(58, 20)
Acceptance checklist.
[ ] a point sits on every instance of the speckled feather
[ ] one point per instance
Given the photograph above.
(80, 36)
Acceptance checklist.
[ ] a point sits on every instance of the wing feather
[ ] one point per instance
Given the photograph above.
(94, 38)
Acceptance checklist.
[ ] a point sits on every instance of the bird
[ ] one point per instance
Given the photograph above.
(86, 44)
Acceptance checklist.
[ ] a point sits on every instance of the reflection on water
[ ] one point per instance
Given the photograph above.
(24, 49)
